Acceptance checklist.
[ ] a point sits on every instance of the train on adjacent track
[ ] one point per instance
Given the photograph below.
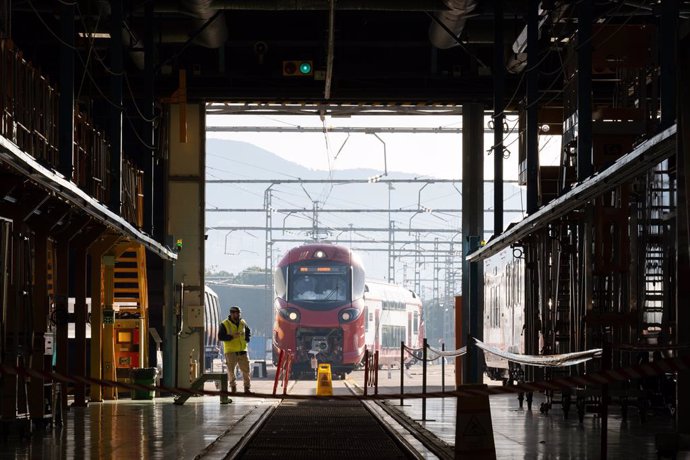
(326, 309)
(504, 310)
(212, 319)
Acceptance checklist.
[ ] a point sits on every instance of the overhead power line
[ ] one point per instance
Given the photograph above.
(333, 129)
(416, 180)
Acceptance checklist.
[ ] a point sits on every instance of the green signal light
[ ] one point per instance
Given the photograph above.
(305, 68)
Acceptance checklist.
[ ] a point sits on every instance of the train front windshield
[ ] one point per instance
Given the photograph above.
(320, 285)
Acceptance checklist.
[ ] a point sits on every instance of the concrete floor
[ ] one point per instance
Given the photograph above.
(203, 428)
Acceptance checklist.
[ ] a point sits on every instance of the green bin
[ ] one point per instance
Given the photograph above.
(144, 376)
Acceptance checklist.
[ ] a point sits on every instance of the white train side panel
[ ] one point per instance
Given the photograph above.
(393, 315)
(504, 304)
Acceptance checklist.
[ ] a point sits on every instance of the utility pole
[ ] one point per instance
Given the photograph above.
(417, 264)
(391, 251)
(315, 221)
(268, 257)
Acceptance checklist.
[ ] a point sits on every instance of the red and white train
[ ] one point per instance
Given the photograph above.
(324, 307)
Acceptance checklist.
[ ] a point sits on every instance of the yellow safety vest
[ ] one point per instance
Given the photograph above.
(238, 343)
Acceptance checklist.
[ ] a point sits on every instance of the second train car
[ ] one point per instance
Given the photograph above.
(504, 305)
(324, 308)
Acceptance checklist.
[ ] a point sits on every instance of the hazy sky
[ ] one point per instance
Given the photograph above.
(436, 155)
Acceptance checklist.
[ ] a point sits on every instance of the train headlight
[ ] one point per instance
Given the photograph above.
(349, 314)
(290, 314)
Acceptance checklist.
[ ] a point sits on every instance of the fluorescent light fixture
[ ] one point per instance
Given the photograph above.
(94, 35)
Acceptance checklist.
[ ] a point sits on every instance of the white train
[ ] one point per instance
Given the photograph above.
(504, 309)
(393, 315)
(211, 321)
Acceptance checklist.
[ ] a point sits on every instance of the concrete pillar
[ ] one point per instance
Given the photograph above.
(532, 128)
(498, 118)
(185, 213)
(472, 229)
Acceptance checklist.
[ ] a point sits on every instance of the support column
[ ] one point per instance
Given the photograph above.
(116, 110)
(8, 410)
(472, 229)
(61, 282)
(499, 85)
(584, 90)
(81, 310)
(185, 213)
(66, 99)
(96, 252)
(39, 320)
(107, 344)
(61, 277)
(532, 128)
(683, 231)
(149, 155)
(669, 53)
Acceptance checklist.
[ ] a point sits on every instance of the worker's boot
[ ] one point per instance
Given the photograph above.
(233, 390)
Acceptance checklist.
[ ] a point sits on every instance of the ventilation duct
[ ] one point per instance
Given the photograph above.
(453, 20)
(215, 32)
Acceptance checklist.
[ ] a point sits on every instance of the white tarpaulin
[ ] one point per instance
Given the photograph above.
(567, 359)
(433, 354)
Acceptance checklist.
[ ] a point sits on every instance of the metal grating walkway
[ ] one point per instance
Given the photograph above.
(323, 430)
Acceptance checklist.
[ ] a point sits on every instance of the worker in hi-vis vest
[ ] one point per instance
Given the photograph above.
(235, 334)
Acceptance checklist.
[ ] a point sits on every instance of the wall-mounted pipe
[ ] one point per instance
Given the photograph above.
(211, 20)
(453, 20)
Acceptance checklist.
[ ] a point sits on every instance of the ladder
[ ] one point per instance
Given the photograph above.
(130, 284)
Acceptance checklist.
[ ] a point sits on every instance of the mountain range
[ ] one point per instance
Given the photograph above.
(236, 240)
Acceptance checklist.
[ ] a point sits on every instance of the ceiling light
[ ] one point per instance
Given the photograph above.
(94, 35)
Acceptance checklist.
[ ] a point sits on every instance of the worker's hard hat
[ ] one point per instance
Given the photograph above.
(235, 308)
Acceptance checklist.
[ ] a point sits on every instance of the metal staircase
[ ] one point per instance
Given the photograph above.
(130, 286)
(655, 233)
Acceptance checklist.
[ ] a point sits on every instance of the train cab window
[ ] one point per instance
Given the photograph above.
(415, 323)
(279, 282)
(358, 283)
(319, 283)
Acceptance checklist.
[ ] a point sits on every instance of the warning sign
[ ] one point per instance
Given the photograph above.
(474, 435)
(324, 385)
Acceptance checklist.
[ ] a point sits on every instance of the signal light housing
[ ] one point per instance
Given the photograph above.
(303, 68)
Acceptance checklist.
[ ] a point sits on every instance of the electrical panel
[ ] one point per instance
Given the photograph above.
(48, 339)
(194, 316)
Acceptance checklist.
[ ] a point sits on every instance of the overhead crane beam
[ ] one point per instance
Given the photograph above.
(321, 210)
(335, 129)
(332, 109)
(336, 229)
(344, 181)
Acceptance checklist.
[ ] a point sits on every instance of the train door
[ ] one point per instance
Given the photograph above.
(409, 328)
